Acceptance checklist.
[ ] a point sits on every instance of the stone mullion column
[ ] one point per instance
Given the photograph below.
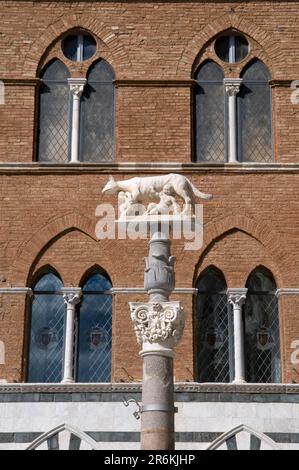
(236, 298)
(71, 299)
(159, 326)
(232, 88)
(77, 87)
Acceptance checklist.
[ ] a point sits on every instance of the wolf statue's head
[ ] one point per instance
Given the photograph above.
(111, 187)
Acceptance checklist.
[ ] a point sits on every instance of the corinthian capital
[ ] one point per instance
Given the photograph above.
(77, 86)
(71, 296)
(232, 85)
(158, 322)
(237, 297)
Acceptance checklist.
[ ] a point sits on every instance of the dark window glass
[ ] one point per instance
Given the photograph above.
(89, 47)
(255, 115)
(97, 115)
(262, 329)
(241, 46)
(231, 48)
(47, 331)
(95, 331)
(53, 116)
(70, 47)
(222, 48)
(214, 330)
(78, 47)
(210, 115)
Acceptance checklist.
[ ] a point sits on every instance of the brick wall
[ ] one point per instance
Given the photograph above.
(47, 217)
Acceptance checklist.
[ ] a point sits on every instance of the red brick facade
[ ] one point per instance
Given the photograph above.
(48, 213)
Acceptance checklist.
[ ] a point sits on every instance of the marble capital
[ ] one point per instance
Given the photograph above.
(71, 295)
(237, 297)
(232, 85)
(77, 86)
(159, 325)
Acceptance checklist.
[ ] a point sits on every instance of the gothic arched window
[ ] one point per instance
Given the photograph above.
(210, 122)
(54, 114)
(262, 340)
(46, 341)
(97, 115)
(255, 114)
(213, 329)
(94, 350)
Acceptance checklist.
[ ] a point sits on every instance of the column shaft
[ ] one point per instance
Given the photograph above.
(71, 299)
(232, 87)
(236, 298)
(76, 87)
(157, 421)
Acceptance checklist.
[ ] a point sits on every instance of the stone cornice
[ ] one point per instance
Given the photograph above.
(189, 83)
(113, 291)
(142, 290)
(129, 168)
(280, 83)
(287, 291)
(192, 387)
(155, 83)
(16, 290)
(33, 82)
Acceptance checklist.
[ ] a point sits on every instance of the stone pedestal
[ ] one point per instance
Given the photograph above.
(158, 326)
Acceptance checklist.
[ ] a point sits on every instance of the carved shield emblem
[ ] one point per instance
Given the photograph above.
(46, 338)
(213, 338)
(97, 338)
(264, 339)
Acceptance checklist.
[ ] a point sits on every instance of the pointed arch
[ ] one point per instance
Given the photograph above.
(32, 248)
(264, 73)
(112, 44)
(255, 114)
(53, 113)
(46, 332)
(271, 241)
(94, 358)
(262, 328)
(261, 437)
(212, 328)
(81, 436)
(97, 136)
(209, 113)
(96, 268)
(271, 50)
(47, 268)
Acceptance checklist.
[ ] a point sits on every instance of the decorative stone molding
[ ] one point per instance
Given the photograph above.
(64, 444)
(71, 297)
(156, 83)
(180, 387)
(16, 290)
(147, 168)
(77, 86)
(233, 433)
(237, 297)
(287, 291)
(232, 85)
(158, 322)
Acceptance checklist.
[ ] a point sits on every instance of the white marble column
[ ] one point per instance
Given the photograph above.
(232, 88)
(236, 298)
(71, 298)
(77, 88)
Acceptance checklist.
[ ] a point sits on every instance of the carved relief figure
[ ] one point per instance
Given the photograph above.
(140, 189)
